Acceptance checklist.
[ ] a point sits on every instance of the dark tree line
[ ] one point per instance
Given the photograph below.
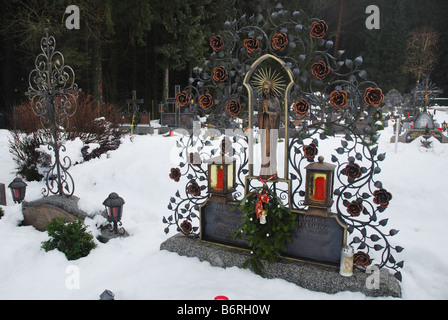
(152, 45)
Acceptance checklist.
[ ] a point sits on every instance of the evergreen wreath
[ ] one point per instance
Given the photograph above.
(267, 226)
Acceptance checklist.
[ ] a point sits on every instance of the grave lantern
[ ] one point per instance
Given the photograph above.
(114, 209)
(221, 176)
(319, 187)
(444, 126)
(18, 189)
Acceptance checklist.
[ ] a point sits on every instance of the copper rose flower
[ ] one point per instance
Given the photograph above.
(186, 227)
(320, 69)
(233, 107)
(318, 29)
(354, 208)
(219, 73)
(251, 44)
(301, 107)
(279, 41)
(194, 189)
(182, 98)
(310, 151)
(361, 259)
(175, 174)
(216, 43)
(338, 99)
(352, 171)
(382, 197)
(206, 101)
(373, 96)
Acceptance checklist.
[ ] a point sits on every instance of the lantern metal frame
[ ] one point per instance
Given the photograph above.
(319, 207)
(227, 165)
(114, 201)
(20, 186)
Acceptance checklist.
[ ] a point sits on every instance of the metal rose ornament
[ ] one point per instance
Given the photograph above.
(53, 92)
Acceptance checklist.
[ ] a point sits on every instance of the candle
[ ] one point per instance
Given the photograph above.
(220, 182)
(16, 193)
(113, 212)
(319, 188)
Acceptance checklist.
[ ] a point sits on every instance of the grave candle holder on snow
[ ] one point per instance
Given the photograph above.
(114, 208)
(18, 189)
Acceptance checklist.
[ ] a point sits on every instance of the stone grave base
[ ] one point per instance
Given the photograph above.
(39, 212)
(306, 275)
(139, 129)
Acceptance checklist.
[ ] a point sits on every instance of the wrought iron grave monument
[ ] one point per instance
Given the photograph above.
(53, 92)
(316, 87)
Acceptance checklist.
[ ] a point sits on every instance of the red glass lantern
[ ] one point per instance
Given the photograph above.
(114, 209)
(319, 187)
(18, 190)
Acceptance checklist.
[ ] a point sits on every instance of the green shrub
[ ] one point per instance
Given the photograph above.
(71, 238)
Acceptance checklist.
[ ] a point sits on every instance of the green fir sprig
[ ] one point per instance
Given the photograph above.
(268, 240)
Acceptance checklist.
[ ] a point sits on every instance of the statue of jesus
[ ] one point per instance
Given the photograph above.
(269, 123)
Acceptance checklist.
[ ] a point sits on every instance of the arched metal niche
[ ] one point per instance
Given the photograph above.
(251, 104)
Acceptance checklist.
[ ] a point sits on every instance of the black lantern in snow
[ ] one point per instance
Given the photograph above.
(114, 209)
(18, 189)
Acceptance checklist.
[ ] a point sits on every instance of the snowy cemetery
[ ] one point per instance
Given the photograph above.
(293, 184)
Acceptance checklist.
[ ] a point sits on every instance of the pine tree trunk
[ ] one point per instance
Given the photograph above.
(166, 83)
(98, 82)
(338, 36)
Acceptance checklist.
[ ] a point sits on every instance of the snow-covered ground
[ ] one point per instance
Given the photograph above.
(135, 268)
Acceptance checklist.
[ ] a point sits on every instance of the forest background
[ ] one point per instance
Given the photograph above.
(151, 46)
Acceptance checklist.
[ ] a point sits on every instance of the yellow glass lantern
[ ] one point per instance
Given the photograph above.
(221, 178)
(221, 175)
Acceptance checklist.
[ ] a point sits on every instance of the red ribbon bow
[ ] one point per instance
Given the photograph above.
(262, 197)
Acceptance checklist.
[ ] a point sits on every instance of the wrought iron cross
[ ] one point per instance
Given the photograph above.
(53, 92)
(135, 102)
(428, 90)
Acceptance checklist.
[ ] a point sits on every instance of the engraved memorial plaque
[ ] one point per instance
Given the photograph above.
(219, 221)
(315, 238)
(168, 119)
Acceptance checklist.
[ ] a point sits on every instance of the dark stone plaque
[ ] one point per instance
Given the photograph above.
(2, 194)
(168, 119)
(315, 238)
(186, 119)
(413, 134)
(219, 221)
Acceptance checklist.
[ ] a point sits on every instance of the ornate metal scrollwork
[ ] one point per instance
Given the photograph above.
(53, 91)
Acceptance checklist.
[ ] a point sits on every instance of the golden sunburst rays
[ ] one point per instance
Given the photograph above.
(277, 81)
